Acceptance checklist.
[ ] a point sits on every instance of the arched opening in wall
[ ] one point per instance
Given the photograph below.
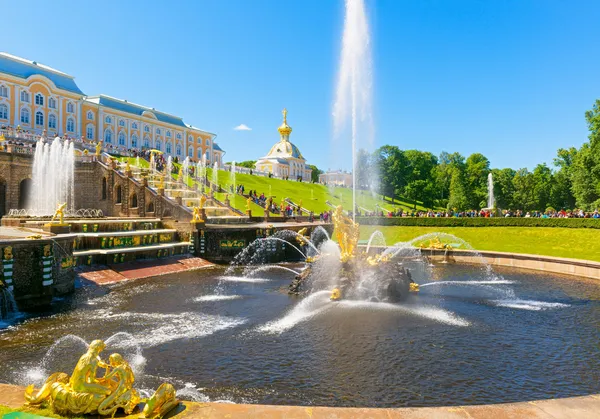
(150, 207)
(24, 188)
(103, 188)
(133, 202)
(118, 194)
(2, 197)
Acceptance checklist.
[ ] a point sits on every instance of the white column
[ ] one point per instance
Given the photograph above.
(60, 116)
(79, 117)
(100, 124)
(17, 110)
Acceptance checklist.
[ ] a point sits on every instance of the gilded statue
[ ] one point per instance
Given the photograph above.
(47, 250)
(86, 393)
(127, 166)
(197, 215)
(8, 255)
(161, 183)
(302, 238)
(248, 201)
(98, 148)
(347, 234)
(202, 201)
(59, 214)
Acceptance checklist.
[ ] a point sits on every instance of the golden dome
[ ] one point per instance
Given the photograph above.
(284, 129)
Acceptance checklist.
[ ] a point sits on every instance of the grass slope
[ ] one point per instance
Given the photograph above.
(559, 242)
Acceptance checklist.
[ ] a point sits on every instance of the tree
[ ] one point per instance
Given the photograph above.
(477, 168)
(419, 177)
(314, 176)
(585, 169)
(250, 164)
(542, 187)
(504, 189)
(458, 196)
(524, 190)
(391, 164)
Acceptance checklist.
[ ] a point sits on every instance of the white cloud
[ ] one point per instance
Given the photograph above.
(243, 127)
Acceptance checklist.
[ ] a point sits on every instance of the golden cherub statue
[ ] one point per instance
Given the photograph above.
(347, 234)
(98, 148)
(161, 183)
(202, 201)
(60, 214)
(197, 215)
(248, 201)
(127, 166)
(85, 393)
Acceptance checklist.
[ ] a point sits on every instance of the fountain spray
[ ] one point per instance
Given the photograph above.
(355, 80)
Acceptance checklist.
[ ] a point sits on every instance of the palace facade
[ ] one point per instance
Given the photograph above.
(39, 99)
(285, 160)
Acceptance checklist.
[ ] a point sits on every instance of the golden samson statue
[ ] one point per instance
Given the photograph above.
(86, 393)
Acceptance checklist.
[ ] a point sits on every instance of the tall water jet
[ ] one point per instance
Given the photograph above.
(491, 200)
(185, 168)
(355, 82)
(215, 177)
(169, 168)
(53, 176)
(232, 177)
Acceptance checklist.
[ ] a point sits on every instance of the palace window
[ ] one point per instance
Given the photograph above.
(52, 103)
(158, 132)
(52, 121)
(89, 132)
(190, 139)
(199, 153)
(168, 134)
(25, 116)
(108, 136)
(121, 123)
(158, 145)
(178, 149)
(207, 155)
(191, 151)
(134, 139)
(208, 142)
(121, 138)
(168, 147)
(70, 125)
(146, 142)
(108, 120)
(24, 96)
(70, 107)
(3, 112)
(146, 128)
(90, 115)
(178, 136)
(134, 125)
(39, 99)
(39, 118)
(3, 91)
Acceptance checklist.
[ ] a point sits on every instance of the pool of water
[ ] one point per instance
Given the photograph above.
(466, 338)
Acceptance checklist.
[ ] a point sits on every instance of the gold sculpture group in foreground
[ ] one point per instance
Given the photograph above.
(85, 393)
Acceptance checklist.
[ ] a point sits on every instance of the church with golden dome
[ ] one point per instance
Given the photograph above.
(285, 160)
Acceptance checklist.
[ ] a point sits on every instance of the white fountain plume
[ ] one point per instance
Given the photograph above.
(215, 176)
(232, 177)
(53, 176)
(355, 82)
(169, 169)
(491, 200)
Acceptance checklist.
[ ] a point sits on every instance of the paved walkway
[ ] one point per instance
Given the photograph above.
(103, 275)
(587, 407)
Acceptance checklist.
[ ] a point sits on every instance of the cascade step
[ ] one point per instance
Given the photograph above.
(128, 233)
(135, 249)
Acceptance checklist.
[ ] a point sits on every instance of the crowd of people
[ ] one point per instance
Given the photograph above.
(483, 213)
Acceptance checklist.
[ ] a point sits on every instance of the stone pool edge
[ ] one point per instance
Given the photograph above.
(551, 264)
(571, 407)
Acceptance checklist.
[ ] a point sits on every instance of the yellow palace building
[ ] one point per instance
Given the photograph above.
(38, 98)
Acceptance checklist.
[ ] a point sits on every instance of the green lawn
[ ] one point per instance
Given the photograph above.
(560, 242)
(313, 196)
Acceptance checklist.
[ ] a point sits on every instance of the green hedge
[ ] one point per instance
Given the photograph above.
(481, 222)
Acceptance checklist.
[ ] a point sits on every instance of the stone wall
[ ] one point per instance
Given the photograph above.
(37, 270)
(14, 168)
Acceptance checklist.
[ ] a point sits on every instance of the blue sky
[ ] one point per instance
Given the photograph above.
(510, 79)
